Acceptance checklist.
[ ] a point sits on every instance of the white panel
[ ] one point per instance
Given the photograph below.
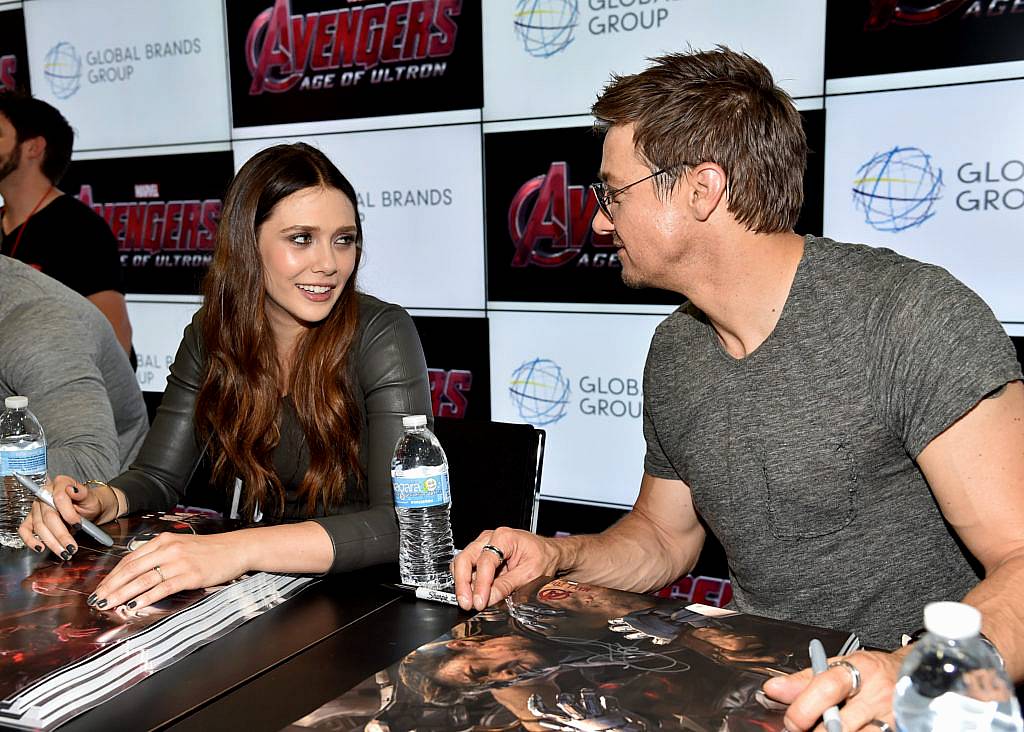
(420, 194)
(131, 72)
(157, 327)
(358, 124)
(938, 175)
(927, 77)
(580, 377)
(551, 57)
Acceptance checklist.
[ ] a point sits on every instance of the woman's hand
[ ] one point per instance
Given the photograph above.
(50, 529)
(171, 563)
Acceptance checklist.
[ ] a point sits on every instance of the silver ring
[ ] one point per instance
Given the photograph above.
(854, 676)
(883, 726)
(157, 570)
(496, 552)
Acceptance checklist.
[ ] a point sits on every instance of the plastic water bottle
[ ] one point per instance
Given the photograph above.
(419, 476)
(22, 450)
(953, 679)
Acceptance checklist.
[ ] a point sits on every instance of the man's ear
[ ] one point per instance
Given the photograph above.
(708, 188)
(34, 148)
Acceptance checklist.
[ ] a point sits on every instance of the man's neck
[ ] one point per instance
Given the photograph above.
(21, 194)
(745, 286)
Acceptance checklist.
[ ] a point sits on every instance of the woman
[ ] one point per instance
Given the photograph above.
(288, 382)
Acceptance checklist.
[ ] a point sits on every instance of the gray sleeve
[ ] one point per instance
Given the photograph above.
(392, 375)
(935, 350)
(656, 463)
(56, 366)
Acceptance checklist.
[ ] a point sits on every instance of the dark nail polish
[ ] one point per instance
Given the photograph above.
(132, 604)
(38, 548)
(65, 556)
(71, 549)
(74, 489)
(101, 603)
(90, 599)
(76, 527)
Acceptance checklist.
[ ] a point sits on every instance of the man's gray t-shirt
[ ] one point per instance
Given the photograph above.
(57, 349)
(800, 457)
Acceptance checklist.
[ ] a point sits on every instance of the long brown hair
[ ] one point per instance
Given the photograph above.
(722, 107)
(239, 400)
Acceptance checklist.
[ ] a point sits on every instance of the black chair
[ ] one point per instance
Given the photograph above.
(494, 470)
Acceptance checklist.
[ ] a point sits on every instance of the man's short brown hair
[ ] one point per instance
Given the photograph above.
(723, 107)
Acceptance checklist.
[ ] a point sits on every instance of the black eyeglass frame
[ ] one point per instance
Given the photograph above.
(604, 194)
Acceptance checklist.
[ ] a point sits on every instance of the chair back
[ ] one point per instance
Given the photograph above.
(495, 470)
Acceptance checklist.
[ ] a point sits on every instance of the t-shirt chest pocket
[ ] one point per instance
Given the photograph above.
(810, 484)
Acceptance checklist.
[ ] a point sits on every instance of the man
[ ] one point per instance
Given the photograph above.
(824, 408)
(43, 227)
(59, 351)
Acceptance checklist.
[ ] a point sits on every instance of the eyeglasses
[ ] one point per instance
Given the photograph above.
(604, 194)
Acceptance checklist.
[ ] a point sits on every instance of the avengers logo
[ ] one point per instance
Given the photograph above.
(882, 13)
(280, 48)
(154, 226)
(448, 392)
(549, 222)
(8, 68)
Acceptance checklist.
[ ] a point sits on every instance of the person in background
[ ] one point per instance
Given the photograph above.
(61, 353)
(289, 382)
(847, 421)
(46, 228)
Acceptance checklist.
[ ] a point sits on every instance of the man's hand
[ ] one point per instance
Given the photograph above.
(809, 696)
(481, 578)
(168, 564)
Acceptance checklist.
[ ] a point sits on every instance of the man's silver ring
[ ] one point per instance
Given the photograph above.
(854, 676)
(496, 552)
(157, 570)
(883, 726)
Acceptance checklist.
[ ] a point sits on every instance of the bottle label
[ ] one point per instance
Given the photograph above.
(421, 491)
(29, 462)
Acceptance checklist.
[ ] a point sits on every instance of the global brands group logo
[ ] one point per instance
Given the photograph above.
(62, 69)
(546, 27)
(897, 189)
(540, 391)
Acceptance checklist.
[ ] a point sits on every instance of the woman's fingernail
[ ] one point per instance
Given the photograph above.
(76, 527)
(101, 603)
(71, 548)
(74, 489)
(65, 556)
(90, 599)
(38, 548)
(132, 604)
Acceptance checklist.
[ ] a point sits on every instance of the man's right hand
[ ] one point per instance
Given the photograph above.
(44, 527)
(481, 578)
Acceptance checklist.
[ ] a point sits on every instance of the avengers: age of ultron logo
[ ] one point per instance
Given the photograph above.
(882, 13)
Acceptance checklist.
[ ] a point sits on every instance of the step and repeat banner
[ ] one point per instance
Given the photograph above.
(464, 126)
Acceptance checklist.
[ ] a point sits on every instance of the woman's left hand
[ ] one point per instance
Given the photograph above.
(809, 696)
(168, 564)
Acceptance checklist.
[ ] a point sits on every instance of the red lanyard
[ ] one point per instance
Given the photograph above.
(24, 224)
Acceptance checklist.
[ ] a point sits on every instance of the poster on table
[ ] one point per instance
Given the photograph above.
(126, 73)
(868, 37)
(458, 366)
(552, 57)
(311, 60)
(163, 211)
(420, 201)
(13, 50)
(579, 376)
(929, 186)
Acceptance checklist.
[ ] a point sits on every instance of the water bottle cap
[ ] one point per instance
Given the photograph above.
(415, 420)
(953, 620)
(16, 402)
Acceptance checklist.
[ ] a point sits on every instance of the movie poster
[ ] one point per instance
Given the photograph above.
(163, 210)
(564, 655)
(457, 349)
(13, 51)
(309, 60)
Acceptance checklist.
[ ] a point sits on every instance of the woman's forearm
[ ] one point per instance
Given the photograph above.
(303, 547)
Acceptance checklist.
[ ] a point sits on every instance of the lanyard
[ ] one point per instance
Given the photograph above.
(24, 224)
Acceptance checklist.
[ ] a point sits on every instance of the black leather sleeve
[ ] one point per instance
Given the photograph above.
(156, 481)
(392, 375)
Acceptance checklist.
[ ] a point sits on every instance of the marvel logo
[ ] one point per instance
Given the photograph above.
(147, 190)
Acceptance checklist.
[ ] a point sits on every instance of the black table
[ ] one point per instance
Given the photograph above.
(283, 664)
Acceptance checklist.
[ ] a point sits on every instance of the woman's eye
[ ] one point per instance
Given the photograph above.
(302, 239)
(345, 240)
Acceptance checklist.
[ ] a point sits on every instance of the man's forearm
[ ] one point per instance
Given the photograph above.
(630, 555)
(1000, 598)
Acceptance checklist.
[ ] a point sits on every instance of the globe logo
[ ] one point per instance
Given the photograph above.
(63, 70)
(545, 26)
(897, 189)
(540, 391)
